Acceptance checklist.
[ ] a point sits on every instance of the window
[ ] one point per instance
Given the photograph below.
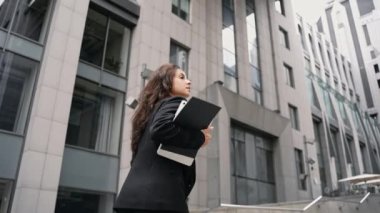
(337, 66)
(17, 76)
(363, 153)
(256, 84)
(181, 8)
(366, 34)
(105, 43)
(95, 118)
(334, 152)
(30, 17)
(350, 151)
(80, 201)
(284, 40)
(312, 48)
(329, 58)
(300, 32)
(253, 51)
(5, 193)
(376, 68)
(300, 167)
(373, 54)
(320, 155)
(228, 41)
(279, 5)
(289, 75)
(378, 83)
(179, 56)
(293, 115)
(321, 52)
(307, 65)
(252, 166)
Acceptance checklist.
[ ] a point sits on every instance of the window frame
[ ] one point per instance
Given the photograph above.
(289, 75)
(284, 38)
(112, 138)
(376, 68)
(257, 146)
(109, 20)
(293, 116)
(281, 8)
(179, 47)
(300, 168)
(178, 13)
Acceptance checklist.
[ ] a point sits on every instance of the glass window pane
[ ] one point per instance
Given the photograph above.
(228, 17)
(229, 62)
(252, 191)
(30, 20)
(5, 193)
(230, 82)
(284, 40)
(95, 118)
(266, 193)
(279, 5)
(293, 115)
(185, 6)
(229, 4)
(179, 56)
(253, 55)
(255, 156)
(258, 96)
(228, 39)
(7, 8)
(94, 38)
(17, 76)
(78, 201)
(241, 191)
(117, 50)
(256, 78)
(240, 159)
(175, 3)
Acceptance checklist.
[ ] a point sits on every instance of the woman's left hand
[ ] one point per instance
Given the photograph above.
(208, 135)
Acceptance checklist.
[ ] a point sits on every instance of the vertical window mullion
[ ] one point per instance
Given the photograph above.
(105, 43)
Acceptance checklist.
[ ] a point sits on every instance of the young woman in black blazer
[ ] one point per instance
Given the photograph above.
(155, 183)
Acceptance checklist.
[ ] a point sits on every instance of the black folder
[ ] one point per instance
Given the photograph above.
(195, 114)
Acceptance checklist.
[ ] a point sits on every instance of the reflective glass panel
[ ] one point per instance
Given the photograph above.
(94, 37)
(77, 201)
(17, 76)
(30, 19)
(7, 8)
(117, 48)
(95, 118)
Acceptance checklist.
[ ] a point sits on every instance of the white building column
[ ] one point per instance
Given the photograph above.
(38, 178)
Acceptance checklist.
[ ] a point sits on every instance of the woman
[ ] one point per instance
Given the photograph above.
(154, 183)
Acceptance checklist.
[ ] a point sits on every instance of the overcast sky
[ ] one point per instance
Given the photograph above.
(310, 10)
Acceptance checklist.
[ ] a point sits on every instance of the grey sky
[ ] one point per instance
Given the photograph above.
(310, 10)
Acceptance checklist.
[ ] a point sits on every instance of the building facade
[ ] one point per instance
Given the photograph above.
(353, 28)
(291, 124)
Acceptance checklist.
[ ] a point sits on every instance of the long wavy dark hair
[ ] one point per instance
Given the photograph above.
(158, 87)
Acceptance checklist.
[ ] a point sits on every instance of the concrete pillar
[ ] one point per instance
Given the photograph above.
(38, 178)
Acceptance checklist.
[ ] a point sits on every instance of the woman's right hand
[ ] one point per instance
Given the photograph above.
(208, 135)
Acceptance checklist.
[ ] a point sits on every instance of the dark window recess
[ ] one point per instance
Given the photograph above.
(376, 68)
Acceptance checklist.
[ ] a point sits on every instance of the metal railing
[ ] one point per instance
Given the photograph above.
(274, 208)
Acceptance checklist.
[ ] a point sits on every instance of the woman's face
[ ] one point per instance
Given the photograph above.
(181, 85)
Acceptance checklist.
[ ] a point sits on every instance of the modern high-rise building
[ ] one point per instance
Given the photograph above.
(291, 123)
(353, 26)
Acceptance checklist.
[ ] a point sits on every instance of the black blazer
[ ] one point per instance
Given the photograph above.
(155, 182)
